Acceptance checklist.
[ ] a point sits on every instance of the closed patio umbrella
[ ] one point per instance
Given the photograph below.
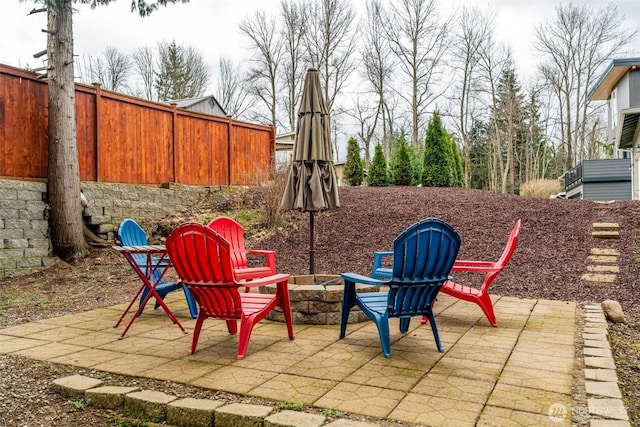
(311, 185)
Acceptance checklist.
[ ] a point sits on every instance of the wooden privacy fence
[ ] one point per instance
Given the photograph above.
(129, 140)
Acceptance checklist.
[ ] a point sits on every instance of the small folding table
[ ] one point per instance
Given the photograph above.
(156, 260)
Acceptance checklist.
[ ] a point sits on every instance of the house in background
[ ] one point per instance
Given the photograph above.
(284, 148)
(619, 85)
(601, 180)
(284, 151)
(204, 104)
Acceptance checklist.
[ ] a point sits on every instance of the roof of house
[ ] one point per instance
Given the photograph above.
(190, 102)
(627, 125)
(611, 76)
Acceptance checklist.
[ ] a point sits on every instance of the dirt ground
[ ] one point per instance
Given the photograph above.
(552, 255)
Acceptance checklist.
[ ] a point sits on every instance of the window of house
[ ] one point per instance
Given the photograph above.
(614, 109)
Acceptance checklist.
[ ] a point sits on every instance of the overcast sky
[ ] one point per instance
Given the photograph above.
(212, 27)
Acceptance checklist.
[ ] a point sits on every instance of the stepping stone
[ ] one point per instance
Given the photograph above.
(606, 226)
(603, 269)
(609, 252)
(606, 234)
(607, 259)
(598, 278)
(601, 388)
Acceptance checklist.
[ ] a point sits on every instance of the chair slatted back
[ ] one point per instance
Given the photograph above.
(131, 234)
(234, 234)
(511, 245)
(201, 257)
(422, 259)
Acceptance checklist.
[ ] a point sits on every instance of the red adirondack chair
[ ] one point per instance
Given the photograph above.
(479, 296)
(234, 234)
(203, 260)
(490, 270)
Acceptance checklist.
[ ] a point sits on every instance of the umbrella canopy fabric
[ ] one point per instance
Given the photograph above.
(312, 185)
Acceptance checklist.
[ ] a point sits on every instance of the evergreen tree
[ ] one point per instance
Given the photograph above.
(378, 174)
(182, 73)
(437, 163)
(402, 170)
(353, 169)
(479, 155)
(415, 156)
(458, 172)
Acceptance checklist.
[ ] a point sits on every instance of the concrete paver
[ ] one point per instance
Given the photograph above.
(516, 374)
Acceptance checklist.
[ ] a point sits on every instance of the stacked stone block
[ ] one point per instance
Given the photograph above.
(109, 204)
(24, 229)
(317, 300)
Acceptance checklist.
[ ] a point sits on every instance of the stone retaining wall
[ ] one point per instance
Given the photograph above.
(24, 228)
(24, 236)
(109, 204)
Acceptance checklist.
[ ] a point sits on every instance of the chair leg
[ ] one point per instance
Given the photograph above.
(434, 329)
(382, 322)
(285, 305)
(232, 326)
(246, 326)
(424, 318)
(196, 333)
(486, 305)
(193, 306)
(348, 301)
(145, 292)
(404, 324)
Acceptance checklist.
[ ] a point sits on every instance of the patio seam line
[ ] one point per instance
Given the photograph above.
(520, 328)
(515, 344)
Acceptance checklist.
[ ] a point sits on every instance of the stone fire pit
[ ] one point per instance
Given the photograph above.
(316, 300)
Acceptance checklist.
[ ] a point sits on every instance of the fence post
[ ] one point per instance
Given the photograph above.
(174, 139)
(272, 149)
(229, 150)
(98, 89)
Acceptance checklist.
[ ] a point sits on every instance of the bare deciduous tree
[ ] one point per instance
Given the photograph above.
(231, 93)
(576, 43)
(366, 117)
(378, 68)
(112, 70)
(475, 29)
(330, 42)
(292, 33)
(267, 45)
(144, 66)
(418, 38)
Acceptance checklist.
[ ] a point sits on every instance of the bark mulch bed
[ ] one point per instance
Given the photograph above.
(552, 255)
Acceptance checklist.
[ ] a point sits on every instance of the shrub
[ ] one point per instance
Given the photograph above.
(353, 169)
(402, 170)
(437, 163)
(378, 174)
(270, 192)
(540, 188)
(458, 172)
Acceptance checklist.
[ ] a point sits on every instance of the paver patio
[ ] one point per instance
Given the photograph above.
(512, 374)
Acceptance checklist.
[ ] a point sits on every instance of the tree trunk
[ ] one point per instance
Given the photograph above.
(65, 219)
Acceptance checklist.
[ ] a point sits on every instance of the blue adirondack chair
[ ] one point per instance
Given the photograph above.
(423, 256)
(131, 234)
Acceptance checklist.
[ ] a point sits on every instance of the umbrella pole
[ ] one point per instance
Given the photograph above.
(312, 246)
